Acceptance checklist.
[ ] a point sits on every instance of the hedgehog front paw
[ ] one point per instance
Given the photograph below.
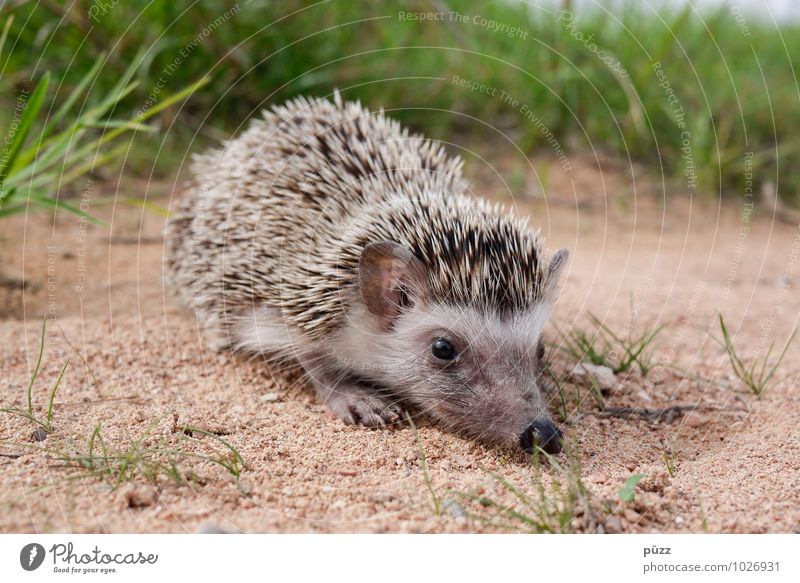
(359, 405)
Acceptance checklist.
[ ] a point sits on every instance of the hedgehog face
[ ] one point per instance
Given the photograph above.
(472, 370)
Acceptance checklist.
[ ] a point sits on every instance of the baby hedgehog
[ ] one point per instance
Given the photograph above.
(330, 236)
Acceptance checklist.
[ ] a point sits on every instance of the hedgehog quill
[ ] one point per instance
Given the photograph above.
(330, 236)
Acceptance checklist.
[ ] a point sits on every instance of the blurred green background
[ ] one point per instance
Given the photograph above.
(590, 76)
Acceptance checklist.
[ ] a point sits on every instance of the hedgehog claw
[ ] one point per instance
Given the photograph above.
(359, 405)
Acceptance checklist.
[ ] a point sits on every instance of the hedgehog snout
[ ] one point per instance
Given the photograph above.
(541, 433)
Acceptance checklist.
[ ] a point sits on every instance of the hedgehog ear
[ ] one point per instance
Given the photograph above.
(557, 263)
(391, 280)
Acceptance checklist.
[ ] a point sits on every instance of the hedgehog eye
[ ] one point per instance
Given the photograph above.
(443, 350)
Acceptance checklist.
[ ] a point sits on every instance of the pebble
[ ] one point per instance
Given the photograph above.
(604, 376)
(214, 528)
(455, 509)
(270, 397)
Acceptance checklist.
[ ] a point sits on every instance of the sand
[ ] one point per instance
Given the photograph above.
(137, 366)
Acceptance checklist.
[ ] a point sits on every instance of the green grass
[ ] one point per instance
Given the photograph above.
(148, 457)
(169, 457)
(47, 149)
(757, 373)
(138, 460)
(561, 392)
(555, 501)
(604, 347)
(669, 464)
(731, 87)
(45, 423)
(628, 491)
(423, 464)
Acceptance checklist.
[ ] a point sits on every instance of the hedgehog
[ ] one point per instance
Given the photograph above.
(329, 236)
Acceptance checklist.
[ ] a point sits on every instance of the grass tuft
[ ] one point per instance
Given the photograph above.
(169, 457)
(604, 347)
(423, 464)
(47, 423)
(67, 144)
(560, 503)
(757, 373)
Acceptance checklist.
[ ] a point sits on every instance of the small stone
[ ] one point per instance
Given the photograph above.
(214, 528)
(454, 509)
(602, 375)
(270, 397)
(39, 435)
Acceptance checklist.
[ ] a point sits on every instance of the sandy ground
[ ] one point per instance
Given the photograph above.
(137, 369)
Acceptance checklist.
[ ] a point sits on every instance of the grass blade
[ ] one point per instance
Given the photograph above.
(53, 397)
(32, 108)
(38, 364)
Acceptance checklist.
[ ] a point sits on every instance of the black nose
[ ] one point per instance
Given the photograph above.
(542, 434)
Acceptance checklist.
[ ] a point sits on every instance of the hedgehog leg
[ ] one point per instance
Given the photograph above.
(354, 402)
(358, 404)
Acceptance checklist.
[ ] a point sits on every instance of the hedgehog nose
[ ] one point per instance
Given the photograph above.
(542, 434)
